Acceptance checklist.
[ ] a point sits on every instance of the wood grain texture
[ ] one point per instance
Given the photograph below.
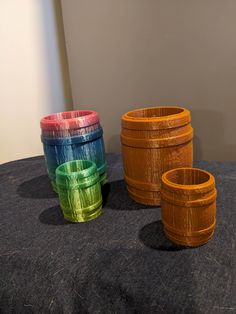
(188, 206)
(154, 140)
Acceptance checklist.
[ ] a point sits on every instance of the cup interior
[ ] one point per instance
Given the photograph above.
(155, 112)
(187, 176)
(75, 166)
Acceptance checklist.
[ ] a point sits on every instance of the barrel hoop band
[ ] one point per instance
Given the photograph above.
(157, 143)
(153, 126)
(189, 233)
(86, 183)
(150, 187)
(103, 179)
(83, 217)
(189, 190)
(143, 197)
(193, 203)
(88, 209)
(73, 140)
(102, 168)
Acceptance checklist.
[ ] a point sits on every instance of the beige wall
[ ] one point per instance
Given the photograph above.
(33, 73)
(125, 54)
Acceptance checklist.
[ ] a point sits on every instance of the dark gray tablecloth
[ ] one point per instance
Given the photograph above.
(117, 263)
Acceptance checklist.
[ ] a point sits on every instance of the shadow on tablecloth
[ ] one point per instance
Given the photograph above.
(116, 197)
(152, 236)
(53, 216)
(39, 187)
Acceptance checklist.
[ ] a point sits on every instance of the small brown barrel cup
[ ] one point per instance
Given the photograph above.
(154, 140)
(188, 206)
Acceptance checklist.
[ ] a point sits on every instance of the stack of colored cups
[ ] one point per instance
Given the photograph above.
(73, 135)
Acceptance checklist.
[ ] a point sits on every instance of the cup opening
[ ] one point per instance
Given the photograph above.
(156, 112)
(187, 176)
(75, 166)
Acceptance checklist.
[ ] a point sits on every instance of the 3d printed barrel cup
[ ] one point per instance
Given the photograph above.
(79, 189)
(188, 206)
(73, 135)
(154, 140)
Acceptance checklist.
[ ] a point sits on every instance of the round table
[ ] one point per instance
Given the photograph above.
(120, 262)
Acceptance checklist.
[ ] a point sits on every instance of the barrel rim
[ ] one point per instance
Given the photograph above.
(188, 187)
(152, 123)
(154, 107)
(55, 121)
(91, 169)
(78, 139)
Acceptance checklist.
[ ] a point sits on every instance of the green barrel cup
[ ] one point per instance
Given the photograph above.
(79, 189)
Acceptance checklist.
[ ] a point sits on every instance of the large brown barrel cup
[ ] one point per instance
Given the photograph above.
(154, 140)
(188, 206)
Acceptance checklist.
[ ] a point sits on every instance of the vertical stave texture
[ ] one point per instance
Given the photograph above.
(154, 140)
(79, 190)
(73, 135)
(188, 206)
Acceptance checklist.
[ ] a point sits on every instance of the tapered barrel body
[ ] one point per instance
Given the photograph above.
(154, 140)
(188, 206)
(79, 189)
